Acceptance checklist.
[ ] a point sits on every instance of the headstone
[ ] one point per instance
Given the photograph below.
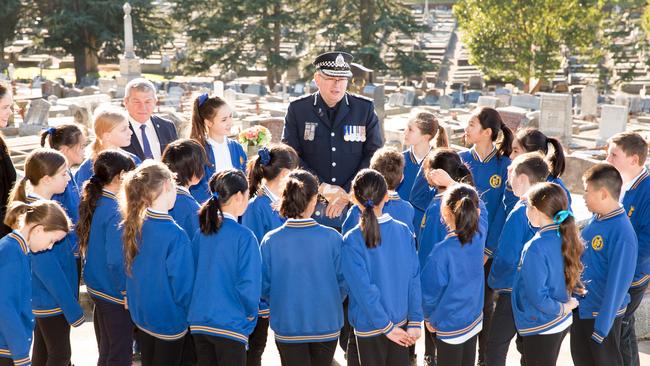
(621, 99)
(36, 118)
(555, 118)
(613, 119)
(486, 101)
(475, 82)
(504, 99)
(502, 91)
(525, 101)
(52, 99)
(129, 64)
(513, 117)
(174, 95)
(635, 104)
(409, 97)
(89, 90)
(472, 96)
(396, 100)
(255, 89)
(589, 101)
(106, 85)
(446, 102)
(71, 92)
(430, 99)
(299, 89)
(217, 88)
(230, 96)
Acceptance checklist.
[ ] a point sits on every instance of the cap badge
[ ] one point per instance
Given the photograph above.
(339, 62)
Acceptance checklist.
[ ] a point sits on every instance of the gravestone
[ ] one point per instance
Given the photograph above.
(635, 104)
(475, 82)
(106, 85)
(472, 96)
(396, 100)
(613, 119)
(299, 89)
(129, 64)
(504, 99)
(589, 101)
(555, 118)
(174, 95)
(217, 88)
(255, 89)
(446, 102)
(36, 118)
(513, 117)
(525, 101)
(230, 96)
(89, 90)
(409, 97)
(378, 96)
(486, 101)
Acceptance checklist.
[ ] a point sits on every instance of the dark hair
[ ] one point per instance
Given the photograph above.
(490, 118)
(532, 165)
(390, 163)
(369, 188)
(632, 144)
(277, 157)
(47, 213)
(186, 158)
(62, 135)
(534, 140)
(107, 165)
(207, 110)
(428, 124)
(4, 90)
(449, 161)
(463, 202)
(39, 163)
(604, 175)
(300, 189)
(549, 199)
(225, 184)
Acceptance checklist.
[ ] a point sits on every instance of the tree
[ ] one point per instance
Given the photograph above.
(237, 34)
(524, 39)
(84, 28)
(10, 11)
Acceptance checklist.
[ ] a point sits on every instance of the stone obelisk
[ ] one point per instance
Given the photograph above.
(129, 63)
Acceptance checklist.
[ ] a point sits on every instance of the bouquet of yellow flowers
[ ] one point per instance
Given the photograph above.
(255, 136)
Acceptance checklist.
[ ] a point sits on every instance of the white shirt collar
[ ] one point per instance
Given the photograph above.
(385, 217)
(627, 186)
(269, 194)
(185, 190)
(226, 215)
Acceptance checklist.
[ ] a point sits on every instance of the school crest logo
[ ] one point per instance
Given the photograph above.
(597, 242)
(495, 181)
(424, 221)
(630, 212)
(241, 160)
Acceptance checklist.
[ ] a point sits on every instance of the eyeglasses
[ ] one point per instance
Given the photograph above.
(334, 80)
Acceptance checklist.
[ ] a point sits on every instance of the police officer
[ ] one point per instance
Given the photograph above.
(335, 133)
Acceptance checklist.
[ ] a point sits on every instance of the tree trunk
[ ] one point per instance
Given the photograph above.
(2, 50)
(80, 70)
(366, 20)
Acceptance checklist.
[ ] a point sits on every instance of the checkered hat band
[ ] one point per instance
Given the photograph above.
(332, 65)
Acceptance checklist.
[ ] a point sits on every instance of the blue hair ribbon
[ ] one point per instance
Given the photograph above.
(50, 130)
(215, 195)
(203, 98)
(265, 156)
(560, 217)
(369, 204)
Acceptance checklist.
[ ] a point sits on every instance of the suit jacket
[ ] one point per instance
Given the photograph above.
(165, 130)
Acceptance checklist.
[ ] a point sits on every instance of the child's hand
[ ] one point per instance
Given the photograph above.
(399, 336)
(439, 178)
(415, 333)
(570, 305)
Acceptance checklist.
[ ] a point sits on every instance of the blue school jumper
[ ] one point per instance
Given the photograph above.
(301, 272)
(261, 215)
(411, 168)
(396, 207)
(85, 170)
(490, 176)
(104, 269)
(159, 288)
(421, 196)
(17, 320)
(201, 190)
(434, 230)
(69, 199)
(539, 285)
(186, 211)
(637, 205)
(516, 232)
(609, 261)
(54, 281)
(383, 282)
(452, 288)
(229, 272)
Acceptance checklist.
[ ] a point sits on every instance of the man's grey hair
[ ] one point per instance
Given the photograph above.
(141, 85)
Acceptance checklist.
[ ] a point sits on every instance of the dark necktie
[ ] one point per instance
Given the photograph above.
(145, 143)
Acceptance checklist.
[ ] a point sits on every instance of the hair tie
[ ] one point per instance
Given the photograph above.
(203, 98)
(560, 217)
(369, 204)
(215, 195)
(50, 130)
(265, 156)
(94, 179)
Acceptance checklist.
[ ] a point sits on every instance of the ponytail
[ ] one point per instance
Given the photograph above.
(463, 202)
(19, 193)
(47, 213)
(490, 118)
(62, 135)
(369, 189)
(108, 165)
(223, 186)
(556, 161)
(441, 137)
(299, 191)
(269, 163)
(505, 146)
(428, 124)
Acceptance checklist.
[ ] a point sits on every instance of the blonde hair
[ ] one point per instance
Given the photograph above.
(141, 187)
(47, 213)
(105, 119)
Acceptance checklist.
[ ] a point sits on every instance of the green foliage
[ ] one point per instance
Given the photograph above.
(10, 11)
(524, 39)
